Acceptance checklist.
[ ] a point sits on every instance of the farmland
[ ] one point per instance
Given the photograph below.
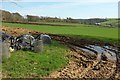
(111, 21)
(57, 56)
(82, 30)
(79, 30)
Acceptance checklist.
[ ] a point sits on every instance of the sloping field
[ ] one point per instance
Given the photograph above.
(111, 21)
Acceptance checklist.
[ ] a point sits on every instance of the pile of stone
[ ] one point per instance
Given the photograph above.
(23, 42)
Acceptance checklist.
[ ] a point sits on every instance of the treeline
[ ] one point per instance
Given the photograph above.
(16, 17)
(10, 17)
(92, 21)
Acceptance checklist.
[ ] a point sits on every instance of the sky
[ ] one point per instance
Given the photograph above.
(75, 8)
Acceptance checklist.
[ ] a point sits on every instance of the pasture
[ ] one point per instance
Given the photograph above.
(85, 30)
(111, 21)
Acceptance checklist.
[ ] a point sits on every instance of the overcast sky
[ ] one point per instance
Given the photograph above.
(65, 8)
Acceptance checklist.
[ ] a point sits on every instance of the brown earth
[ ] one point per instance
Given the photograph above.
(82, 64)
(83, 67)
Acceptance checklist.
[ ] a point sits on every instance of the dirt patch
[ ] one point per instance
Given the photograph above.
(82, 67)
(17, 31)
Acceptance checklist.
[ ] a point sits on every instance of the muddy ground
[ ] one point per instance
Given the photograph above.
(82, 64)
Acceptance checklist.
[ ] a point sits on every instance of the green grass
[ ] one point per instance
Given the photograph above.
(97, 39)
(110, 21)
(63, 23)
(82, 29)
(26, 64)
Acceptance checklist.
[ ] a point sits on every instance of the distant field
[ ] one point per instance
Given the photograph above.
(111, 21)
(83, 30)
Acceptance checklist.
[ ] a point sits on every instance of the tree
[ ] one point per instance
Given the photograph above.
(17, 17)
(31, 18)
(6, 16)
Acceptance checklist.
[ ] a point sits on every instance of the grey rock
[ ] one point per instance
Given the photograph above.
(46, 39)
(38, 46)
(24, 42)
(4, 52)
(4, 36)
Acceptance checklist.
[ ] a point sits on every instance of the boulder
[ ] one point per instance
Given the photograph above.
(38, 46)
(4, 52)
(24, 42)
(46, 39)
(4, 36)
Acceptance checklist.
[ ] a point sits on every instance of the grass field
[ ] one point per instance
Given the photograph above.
(26, 64)
(111, 21)
(83, 30)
